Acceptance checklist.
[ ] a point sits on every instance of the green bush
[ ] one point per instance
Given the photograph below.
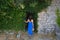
(13, 20)
(13, 12)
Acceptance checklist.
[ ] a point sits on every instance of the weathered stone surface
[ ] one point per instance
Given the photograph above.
(46, 19)
(24, 36)
(2, 37)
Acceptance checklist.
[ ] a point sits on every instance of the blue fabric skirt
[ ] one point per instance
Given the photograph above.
(30, 27)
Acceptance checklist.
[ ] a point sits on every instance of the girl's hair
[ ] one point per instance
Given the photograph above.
(30, 17)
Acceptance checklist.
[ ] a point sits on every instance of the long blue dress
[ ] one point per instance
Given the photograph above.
(30, 27)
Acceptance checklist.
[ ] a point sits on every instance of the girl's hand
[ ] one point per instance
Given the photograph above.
(33, 29)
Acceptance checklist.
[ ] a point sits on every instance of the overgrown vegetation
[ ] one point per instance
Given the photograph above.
(13, 12)
(58, 17)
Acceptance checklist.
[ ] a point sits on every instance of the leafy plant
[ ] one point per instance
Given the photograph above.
(13, 12)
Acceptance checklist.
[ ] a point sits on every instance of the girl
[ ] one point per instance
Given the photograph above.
(30, 26)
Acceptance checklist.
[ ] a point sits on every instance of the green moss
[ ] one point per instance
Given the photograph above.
(58, 17)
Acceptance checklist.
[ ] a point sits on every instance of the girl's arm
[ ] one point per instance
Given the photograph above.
(27, 21)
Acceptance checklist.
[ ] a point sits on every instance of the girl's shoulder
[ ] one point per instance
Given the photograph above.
(31, 20)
